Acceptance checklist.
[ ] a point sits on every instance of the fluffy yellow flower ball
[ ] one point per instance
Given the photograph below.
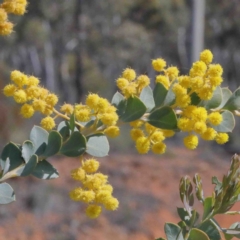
(6, 28)
(136, 133)
(27, 110)
(78, 174)
(221, 138)
(206, 56)
(67, 109)
(9, 90)
(19, 78)
(191, 141)
(39, 105)
(75, 194)
(159, 148)
(172, 72)
(20, 96)
(93, 211)
(142, 81)
(122, 83)
(215, 118)
(111, 203)
(129, 74)
(112, 131)
(48, 123)
(3, 15)
(92, 100)
(51, 99)
(158, 64)
(90, 165)
(33, 81)
(142, 145)
(209, 134)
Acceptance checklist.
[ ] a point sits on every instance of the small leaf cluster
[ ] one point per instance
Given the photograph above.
(193, 226)
(17, 7)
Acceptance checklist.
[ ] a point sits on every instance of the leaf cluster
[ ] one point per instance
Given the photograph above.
(30, 158)
(226, 193)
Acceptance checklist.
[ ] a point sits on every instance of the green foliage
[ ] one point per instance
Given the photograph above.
(197, 234)
(12, 155)
(74, 146)
(54, 144)
(39, 138)
(159, 94)
(225, 195)
(173, 231)
(210, 229)
(44, 170)
(163, 117)
(29, 167)
(147, 98)
(131, 109)
(97, 145)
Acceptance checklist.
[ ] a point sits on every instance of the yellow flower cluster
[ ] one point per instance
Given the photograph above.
(25, 90)
(94, 190)
(149, 137)
(130, 84)
(17, 7)
(196, 120)
(203, 79)
(97, 109)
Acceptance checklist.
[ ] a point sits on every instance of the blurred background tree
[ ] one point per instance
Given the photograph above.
(79, 46)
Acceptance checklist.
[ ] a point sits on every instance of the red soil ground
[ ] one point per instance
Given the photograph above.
(146, 186)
